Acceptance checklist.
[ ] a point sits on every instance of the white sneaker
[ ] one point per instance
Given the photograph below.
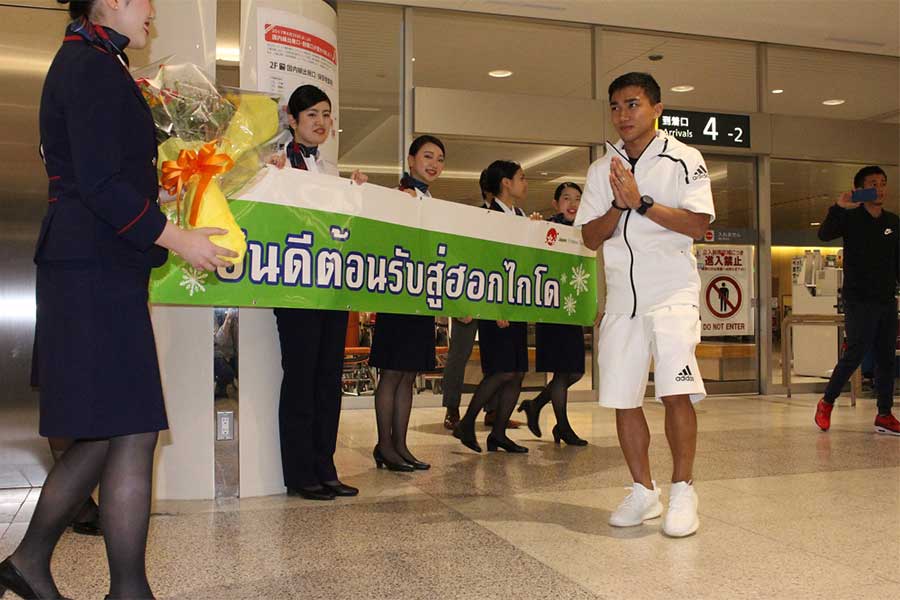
(638, 506)
(681, 518)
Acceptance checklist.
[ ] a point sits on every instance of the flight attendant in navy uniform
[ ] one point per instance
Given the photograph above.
(403, 345)
(503, 345)
(312, 339)
(559, 347)
(103, 232)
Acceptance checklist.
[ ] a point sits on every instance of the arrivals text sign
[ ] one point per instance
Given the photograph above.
(707, 129)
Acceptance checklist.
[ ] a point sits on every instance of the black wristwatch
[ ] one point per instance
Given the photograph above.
(646, 203)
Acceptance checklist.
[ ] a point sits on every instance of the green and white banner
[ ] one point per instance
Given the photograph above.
(316, 241)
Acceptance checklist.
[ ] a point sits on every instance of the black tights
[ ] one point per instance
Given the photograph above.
(506, 387)
(124, 468)
(88, 511)
(557, 392)
(393, 405)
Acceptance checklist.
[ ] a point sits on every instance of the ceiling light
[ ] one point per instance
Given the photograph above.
(414, 59)
(833, 102)
(778, 91)
(500, 73)
(683, 88)
(814, 224)
(655, 57)
(340, 131)
(544, 173)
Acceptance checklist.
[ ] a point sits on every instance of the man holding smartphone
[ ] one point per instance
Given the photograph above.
(871, 274)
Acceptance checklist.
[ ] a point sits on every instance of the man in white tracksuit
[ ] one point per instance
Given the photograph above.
(645, 202)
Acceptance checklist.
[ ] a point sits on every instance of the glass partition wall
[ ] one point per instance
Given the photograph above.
(388, 51)
(806, 271)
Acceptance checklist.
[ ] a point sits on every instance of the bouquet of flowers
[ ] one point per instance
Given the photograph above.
(210, 143)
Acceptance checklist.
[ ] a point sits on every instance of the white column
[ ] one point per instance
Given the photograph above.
(259, 350)
(185, 456)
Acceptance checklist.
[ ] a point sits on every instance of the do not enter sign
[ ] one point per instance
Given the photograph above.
(723, 297)
(726, 276)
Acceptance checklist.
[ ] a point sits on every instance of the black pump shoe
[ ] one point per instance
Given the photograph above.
(507, 444)
(466, 434)
(381, 462)
(416, 464)
(533, 414)
(11, 579)
(91, 527)
(341, 489)
(568, 436)
(319, 493)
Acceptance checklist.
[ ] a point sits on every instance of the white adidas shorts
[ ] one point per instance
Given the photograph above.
(625, 346)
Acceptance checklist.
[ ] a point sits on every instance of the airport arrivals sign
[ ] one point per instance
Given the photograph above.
(707, 129)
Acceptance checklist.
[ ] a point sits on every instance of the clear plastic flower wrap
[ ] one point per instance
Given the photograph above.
(211, 143)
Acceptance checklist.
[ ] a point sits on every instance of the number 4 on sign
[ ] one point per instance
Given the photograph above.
(710, 129)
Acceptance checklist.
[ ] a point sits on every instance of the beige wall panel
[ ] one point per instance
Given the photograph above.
(834, 140)
(508, 116)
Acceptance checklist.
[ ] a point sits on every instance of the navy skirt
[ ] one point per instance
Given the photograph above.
(560, 348)
(403, 343)
(95, 354)
(503, 350)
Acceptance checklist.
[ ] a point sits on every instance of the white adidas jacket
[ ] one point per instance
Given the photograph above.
(648, 266)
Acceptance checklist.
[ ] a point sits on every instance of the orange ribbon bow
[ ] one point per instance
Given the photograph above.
(205, 163)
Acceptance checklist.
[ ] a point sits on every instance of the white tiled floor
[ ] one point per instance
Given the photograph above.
(786, 512)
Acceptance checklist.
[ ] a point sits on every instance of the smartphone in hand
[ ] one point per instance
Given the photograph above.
(864, 195)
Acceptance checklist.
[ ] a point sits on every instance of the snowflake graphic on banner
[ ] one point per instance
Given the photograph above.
(579, 279)
(193, 280)
(570, 304)
(564, 278)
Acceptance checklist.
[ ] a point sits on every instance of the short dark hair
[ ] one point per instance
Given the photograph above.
(860, 178)
(422, 140)
(644, 81)
(482, 183)
(562, 187)
(79, 8)
(497, 171)
(304, 97)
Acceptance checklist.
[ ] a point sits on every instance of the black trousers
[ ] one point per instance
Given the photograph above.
(869, 325)
(312, 358)
(462, 341)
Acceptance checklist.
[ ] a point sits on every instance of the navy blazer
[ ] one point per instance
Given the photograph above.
(99, 147)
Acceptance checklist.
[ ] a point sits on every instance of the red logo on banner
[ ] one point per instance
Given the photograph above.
(552, 236)
(709, 236)
(300, 39)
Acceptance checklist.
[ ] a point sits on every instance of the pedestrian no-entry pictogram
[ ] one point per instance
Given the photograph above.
(723, 297)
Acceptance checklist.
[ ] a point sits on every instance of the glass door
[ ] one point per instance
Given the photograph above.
(727, 259)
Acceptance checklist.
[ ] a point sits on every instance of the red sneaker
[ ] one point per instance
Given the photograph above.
(823, 415)
(887, 424)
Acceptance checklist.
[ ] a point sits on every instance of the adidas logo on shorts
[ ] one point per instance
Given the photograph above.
(685, 375)
(700, 173)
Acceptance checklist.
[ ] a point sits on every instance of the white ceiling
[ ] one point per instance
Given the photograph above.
(871, 26)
